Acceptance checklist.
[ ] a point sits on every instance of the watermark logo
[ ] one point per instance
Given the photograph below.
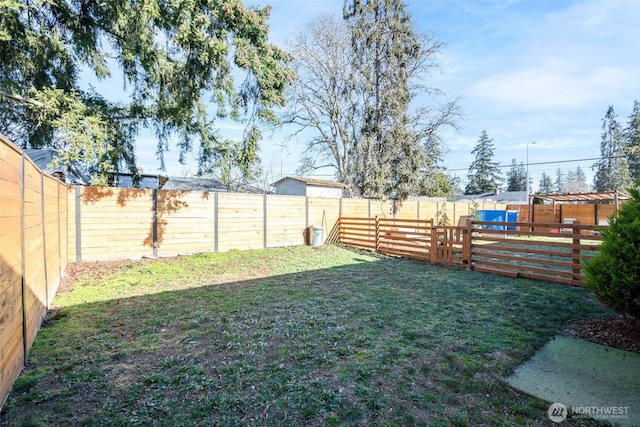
(557, 412)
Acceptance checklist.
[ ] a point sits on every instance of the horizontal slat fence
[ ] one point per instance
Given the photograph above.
(404, 237)
(116, 223)
(33, 248)
(528, 252)
(554, 214)
(511, 249)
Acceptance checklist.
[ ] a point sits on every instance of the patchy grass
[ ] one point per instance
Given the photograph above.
(292, 336)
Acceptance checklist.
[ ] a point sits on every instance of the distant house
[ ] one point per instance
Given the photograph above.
(70, 173)
(503, 197)
(206, 184)
(297, 186)
(126, 180)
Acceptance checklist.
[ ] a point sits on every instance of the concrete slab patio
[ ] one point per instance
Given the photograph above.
(587, 378)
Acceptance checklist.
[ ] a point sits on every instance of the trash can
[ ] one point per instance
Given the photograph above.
(317, 236)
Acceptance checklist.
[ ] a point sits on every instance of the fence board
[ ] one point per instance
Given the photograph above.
(240, 221)
(184, 222)
(494, 251)
(286, 220)
(30, 262)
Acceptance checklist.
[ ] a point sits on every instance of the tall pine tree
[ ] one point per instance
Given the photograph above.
(545, 186)
(632, 140)
(517, 177)
(612, 170)
(559, 182)
(394, 144)
(484, 173)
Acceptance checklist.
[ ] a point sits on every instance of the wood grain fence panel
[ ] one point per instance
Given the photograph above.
(545, 213)
(358, 232)
(379, 208)
(583, 213)
(185, 222)
(428, 210)
(115, 223)
(603, 213)
(35, 290)
(324, 212)
(50, 229)
(286, 220)
(29, 218)
(408, 210)
(72, 237)
(11, 338)
(360, 207)
(240, 221)
(64, 226)
(558, 258)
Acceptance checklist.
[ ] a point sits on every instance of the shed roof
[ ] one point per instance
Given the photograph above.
(603, 196)
(312, 181)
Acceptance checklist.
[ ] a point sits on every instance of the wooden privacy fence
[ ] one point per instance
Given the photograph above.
(111, 223)
(33, 255)
(505, 248)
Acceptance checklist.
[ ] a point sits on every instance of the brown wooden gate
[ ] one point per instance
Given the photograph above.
(448, 245)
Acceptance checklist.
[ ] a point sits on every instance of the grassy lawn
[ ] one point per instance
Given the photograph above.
(292, 336)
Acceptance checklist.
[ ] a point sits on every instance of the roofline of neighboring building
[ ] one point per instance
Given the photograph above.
(312, 181)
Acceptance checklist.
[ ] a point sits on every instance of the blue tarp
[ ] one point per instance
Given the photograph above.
(497, 216)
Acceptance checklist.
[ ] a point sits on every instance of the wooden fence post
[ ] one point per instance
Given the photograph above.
(264, 220)
(377, 236)
(575, 257)
(44, 243)
(215, 221)
(78, 190)
(466, 244)
(23, 267)
(154, 222)
(434, 243)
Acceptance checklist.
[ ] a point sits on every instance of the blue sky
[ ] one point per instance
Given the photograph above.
(530, 71)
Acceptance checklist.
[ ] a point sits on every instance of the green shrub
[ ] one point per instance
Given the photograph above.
(614, 275)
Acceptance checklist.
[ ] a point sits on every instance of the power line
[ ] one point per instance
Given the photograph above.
(543, 163)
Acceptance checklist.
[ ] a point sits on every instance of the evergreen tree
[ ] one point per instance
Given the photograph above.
(614, 274)
(438, 184)
(559, 182)
(175, 56)
(612, 170)
(576, 182)
(546, 184)
(632, 140)
(517, 177)
(484, 174)
(393, 144)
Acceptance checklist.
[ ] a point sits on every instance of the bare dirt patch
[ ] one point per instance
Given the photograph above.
(77, 271)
